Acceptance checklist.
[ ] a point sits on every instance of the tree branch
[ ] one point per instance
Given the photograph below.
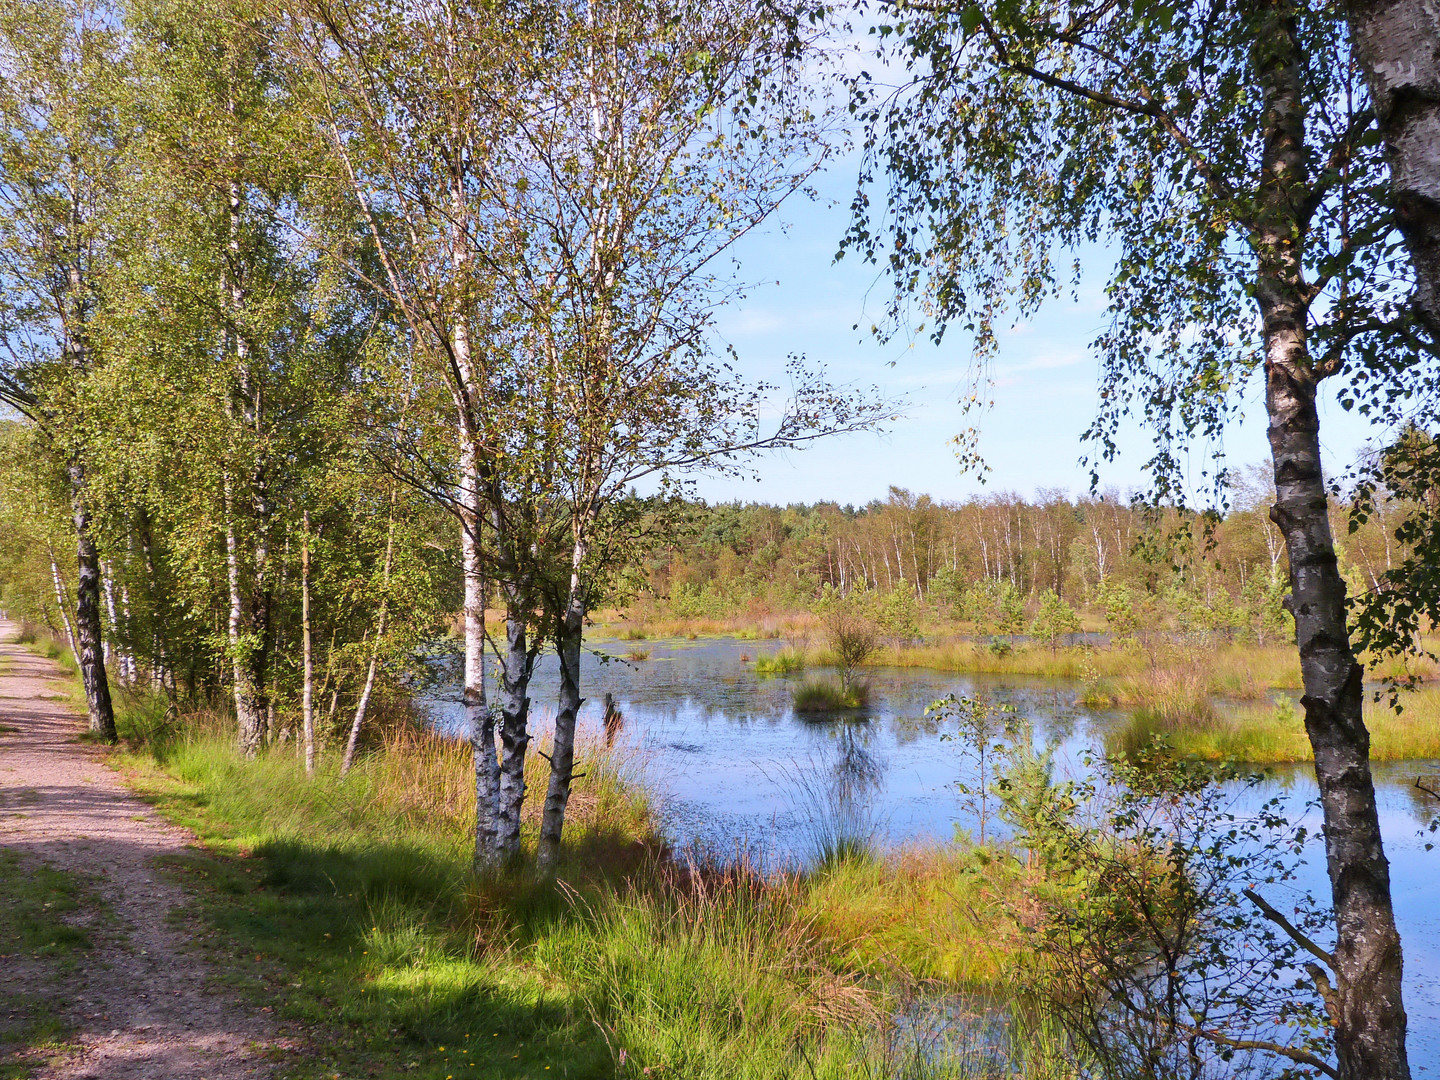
(1285, 924)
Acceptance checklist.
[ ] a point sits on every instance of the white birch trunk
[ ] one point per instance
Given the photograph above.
(307, 693)
(63, 603)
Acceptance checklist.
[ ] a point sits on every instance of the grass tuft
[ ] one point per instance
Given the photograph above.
(787, 661)
(820, 695)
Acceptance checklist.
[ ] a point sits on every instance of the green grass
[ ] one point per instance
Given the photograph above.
(37, 899)
(786, 661)
(351, 903)
(1275, 733)
(41, 943)
(821, 695)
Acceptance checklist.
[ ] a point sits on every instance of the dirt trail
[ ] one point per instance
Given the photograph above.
(141, 1003)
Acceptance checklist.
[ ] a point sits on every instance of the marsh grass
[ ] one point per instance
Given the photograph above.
(822, 695)
(836, 812)
(1274, 733)
(787, 661)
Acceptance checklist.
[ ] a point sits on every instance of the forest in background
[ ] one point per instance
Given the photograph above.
(985, 566)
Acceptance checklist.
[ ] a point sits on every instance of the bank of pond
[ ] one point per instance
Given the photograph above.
(747, 891)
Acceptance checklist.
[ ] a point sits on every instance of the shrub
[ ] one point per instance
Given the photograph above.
(1054, 620)
(852, 630)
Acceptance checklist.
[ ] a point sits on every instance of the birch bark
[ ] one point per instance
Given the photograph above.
(1397, 43)
(307, 693)
(89, 635)
(516, 668)
(562, 752)
(1365, 1002)
(62, 602)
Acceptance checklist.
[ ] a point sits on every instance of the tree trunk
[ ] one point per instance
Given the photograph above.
(1397, 44)
(562, 752)
(517, 667)
(363, 705)
(107, 590)
(246, 650)
(1365, 1005)
(1370, 1015)
(479, 719)
(162, 675)
(307, 693)
(62, 604)
(132, 667)
(88, 633)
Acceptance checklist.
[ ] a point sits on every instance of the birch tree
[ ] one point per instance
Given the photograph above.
(1229, 155)
(660, 135)
(216, 315)
(411, 100)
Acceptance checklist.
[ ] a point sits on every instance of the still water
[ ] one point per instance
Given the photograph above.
(736, 769)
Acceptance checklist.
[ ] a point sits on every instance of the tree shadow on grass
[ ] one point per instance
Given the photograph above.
(396, 960)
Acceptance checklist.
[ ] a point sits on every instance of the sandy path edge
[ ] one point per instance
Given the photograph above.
(143, 1008)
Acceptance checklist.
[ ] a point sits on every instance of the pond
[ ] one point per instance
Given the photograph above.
(736, 769)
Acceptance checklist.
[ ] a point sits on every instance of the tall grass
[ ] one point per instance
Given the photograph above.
(1274, 733)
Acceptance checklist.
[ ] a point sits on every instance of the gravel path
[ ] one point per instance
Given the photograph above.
(141, 1003)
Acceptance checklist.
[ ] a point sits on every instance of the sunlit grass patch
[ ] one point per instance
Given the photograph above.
(945, 913)
(1274, 733)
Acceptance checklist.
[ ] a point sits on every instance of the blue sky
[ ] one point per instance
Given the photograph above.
(1044, 392)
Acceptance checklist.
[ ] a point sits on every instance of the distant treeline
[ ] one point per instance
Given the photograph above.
(992, 560)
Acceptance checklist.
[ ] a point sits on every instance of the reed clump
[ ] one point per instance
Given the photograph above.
(823, 695)
(787, 661)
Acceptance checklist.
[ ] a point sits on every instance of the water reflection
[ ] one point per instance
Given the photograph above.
(735, 768)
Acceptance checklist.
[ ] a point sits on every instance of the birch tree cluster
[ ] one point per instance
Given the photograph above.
(327, 327)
